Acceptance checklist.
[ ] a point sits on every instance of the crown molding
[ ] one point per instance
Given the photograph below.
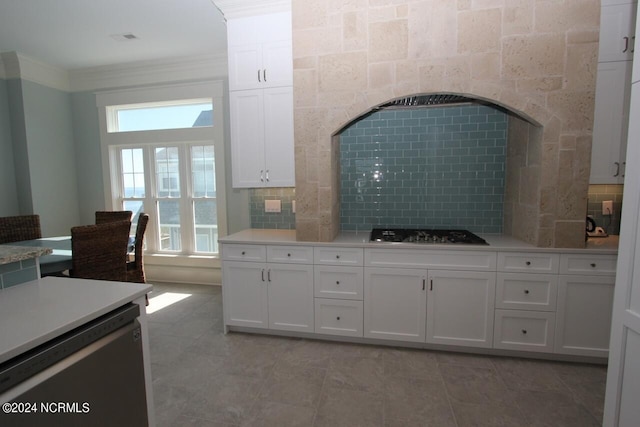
(240, 8)
(17, 65)
(149, 72)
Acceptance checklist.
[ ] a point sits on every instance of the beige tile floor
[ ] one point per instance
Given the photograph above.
(202, 377)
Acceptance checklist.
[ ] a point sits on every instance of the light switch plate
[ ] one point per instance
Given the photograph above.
(273, 206)
(293, 206)
(607, 207)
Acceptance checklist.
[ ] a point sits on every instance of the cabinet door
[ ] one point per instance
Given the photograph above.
(395, 304)
(278, 137)
(460, 307)
(610, 121)
(245, 67)
(247, 138)
(244, 290)
(617, 28)
(277, 64)
(290, 297)
(583, 320)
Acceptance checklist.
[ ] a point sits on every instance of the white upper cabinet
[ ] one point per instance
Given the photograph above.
(613, 84)
(262, 151)
(611, 115)
(259, 49)
(261, 100)
(260, 65)
(617, 32)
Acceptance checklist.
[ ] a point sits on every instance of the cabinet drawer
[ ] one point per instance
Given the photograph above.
(338, 256)
(527, 291)
(234, 252)
(338, 317)
(524, 330)
(419, 258)
(338, 282)
(528, 262)
(601, 265)
(290, 254)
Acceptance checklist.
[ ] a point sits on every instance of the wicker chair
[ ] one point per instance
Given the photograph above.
(18, 228)
(100, 251)
(135, 268)
(110, 216)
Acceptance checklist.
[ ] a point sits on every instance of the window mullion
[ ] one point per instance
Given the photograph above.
(188, 240)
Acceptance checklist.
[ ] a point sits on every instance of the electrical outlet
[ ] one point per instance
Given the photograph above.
(272, 206)
(607, 207)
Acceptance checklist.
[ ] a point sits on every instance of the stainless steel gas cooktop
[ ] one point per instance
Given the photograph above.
(425, 236)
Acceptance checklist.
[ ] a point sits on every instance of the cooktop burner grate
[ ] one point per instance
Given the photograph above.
(425, 236)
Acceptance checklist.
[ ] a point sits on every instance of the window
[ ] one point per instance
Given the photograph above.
(165, 160)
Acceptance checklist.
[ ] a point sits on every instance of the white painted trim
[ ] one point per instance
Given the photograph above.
(17, 65)
(240, 8)
(147, 73)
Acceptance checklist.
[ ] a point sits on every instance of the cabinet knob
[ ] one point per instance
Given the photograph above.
(337, 282)
(526, 291)
(243, 252)
(289, 255)
(593, 264)
(337, 256)
(338, 318)
(528, 262)
(524, 332)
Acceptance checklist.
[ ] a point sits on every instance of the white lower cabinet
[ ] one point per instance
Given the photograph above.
(290, 296)
(518, 301)
(245, 294)
(583, 320)
(338, 317)
(395, 304)
(524, 330)
(268, 295)
(460, 308)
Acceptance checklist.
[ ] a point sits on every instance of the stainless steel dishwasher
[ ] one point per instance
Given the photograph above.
(92, 375)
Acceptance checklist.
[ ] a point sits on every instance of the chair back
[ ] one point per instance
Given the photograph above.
(111, 216)
(135, 269)
(18, 228)
(100, 251)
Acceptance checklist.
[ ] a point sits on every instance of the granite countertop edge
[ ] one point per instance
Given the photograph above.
(9, 254)
(497, 242)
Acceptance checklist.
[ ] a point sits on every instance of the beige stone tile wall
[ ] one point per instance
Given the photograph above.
(537, 58)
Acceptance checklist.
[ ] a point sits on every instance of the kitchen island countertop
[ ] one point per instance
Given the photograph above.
(497, 242)
(34, 312)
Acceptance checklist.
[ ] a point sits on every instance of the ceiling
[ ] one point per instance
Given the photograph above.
(76, 34)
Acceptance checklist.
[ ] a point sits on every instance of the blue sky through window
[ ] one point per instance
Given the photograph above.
(165, 117)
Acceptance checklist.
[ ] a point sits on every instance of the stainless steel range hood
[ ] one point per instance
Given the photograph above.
(433, 100)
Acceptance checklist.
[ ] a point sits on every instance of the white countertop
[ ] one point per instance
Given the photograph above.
(34, 312)
(600, 245)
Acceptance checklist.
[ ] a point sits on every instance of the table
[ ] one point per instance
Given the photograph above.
(59, 260)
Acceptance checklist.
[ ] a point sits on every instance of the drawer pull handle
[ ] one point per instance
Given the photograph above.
(526, 291)
(524, 332)
(593, 264)
(528, 263)
(338, 318)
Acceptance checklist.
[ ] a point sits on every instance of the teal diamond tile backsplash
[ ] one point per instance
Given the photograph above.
(435, 167)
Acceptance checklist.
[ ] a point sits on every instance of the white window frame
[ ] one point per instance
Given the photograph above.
(111, 142)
